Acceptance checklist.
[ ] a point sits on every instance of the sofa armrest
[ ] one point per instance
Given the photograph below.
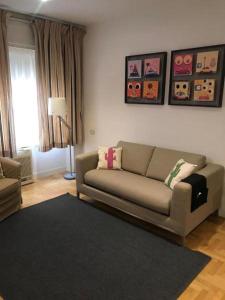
(182, 194)
(11, 168)
(180, 210)
(214, 175)
(181, 202)
(84, 163)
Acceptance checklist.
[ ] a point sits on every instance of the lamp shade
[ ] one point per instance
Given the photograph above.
(57, 106)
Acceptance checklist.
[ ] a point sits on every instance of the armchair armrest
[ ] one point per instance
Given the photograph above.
(11, 168)
(84, 163)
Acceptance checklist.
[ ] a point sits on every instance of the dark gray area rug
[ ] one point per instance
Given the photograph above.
(67, 249)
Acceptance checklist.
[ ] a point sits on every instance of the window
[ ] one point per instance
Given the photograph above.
(24, 96)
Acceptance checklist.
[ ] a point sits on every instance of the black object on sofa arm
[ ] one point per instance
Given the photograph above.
(199, 190)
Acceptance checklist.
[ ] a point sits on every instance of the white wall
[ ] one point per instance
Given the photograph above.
(194, 129)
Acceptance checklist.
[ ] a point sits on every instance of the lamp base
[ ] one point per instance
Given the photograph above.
(70, 176)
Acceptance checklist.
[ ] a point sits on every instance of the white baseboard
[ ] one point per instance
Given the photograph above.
(49, 172)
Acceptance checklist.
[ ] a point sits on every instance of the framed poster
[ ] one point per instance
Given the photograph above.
(197, 76)
(145, 78)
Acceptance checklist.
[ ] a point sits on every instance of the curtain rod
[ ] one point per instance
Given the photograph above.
(31, 17)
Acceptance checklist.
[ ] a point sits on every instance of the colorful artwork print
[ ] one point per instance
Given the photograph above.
(181, 90)
(207, 62)
(150, 90)
(152, 66)
(134, 89)
(134, 68)
(145, 76)
(204, 89)
(182, 64)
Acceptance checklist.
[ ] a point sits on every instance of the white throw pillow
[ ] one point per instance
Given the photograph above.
(181, 170)
(109, 158)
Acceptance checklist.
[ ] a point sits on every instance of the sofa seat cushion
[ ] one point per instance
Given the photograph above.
(138, 189)
(8, 186)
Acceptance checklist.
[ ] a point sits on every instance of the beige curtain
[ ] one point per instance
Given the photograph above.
(59, 67)
(7, 134)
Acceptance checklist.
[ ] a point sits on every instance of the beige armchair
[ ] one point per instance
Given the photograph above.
(10, 188)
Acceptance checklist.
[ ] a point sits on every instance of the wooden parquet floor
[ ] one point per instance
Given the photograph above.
(208, 238)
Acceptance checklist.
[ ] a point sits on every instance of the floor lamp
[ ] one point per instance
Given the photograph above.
(57, 107)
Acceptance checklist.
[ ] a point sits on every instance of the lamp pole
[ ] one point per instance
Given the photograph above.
(71, 175)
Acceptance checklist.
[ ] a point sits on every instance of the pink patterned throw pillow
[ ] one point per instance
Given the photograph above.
(109, 158)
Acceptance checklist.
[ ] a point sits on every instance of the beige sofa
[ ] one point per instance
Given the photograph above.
(10, 188)
(139, 188)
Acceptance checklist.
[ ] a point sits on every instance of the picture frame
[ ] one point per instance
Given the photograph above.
(197, 76)
(145, 76)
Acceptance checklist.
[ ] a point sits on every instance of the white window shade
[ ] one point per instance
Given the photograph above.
(24, 96)
(20, 33)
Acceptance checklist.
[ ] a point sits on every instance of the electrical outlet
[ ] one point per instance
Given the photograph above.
(92, 132)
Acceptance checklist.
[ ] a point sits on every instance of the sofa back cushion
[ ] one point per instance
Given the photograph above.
(135, 157)
(163, 160)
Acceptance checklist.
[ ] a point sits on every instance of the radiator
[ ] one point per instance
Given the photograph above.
(24, 157)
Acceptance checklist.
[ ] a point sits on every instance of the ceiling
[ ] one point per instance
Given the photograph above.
(88, 12)
(83, 12)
